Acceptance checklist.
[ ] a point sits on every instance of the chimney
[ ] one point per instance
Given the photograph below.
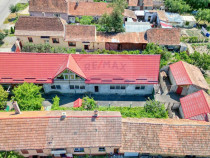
(16, 107)
(63, 116)
(95, 113)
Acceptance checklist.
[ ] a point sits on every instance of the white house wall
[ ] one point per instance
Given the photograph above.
(103, 88)
(47, 14)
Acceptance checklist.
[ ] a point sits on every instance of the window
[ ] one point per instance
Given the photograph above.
(77, 77)
(55, 87)
(60, 77)
(112, 87)
(82, 87)
(122, 87)
(30, 39)
(78, 149)
(101, 149)
(24, 151)
(72, 77)
(76, 87)
(117, 87)
(66, 77)
(72, 44)
(39, 151)
(46, 41)
(57, 15)
(71, 86)
(137, 87)
(140, 87)
(55, 40)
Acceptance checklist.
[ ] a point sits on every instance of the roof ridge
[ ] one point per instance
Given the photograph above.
(182, 62)
(60, 67)
(77, 65)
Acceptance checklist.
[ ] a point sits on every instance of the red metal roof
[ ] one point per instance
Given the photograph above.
(196, 105)
(30, 67)
(120, 69)
(101, 69)
(77, 103)
(180, 74)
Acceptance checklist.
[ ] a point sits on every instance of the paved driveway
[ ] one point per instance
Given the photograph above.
(67, 100)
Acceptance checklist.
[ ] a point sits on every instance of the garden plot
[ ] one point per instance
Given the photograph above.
(195, 33)
(202, 48)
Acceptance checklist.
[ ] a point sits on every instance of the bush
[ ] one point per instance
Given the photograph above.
(1, 36)
(22, 6)
(88, 103)
(86, 20)
(12, 31)
(10, 154)
(56, 101)
(3, 98)
(156, 109)
(28, 96)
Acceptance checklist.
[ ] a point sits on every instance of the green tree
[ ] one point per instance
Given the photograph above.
(86, 20)
(117, 21)
(14, 9)
(1, 38)
(56, 103)
(156, 109)
(10, 154)
(119, 5)
(105, 22)
(28, 96)
(198, 4)
(88, 103)
(179, 6)
(203, 15)
(3, 98)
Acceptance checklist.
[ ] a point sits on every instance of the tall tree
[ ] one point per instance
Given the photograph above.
(117, 21)
(198, 4)
(105, 22)
(203, 15)
(179, 6)
(3, 98)
(28, 96)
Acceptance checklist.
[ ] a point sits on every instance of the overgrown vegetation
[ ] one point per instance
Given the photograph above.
(28, 96)
(10, 154)
(3, 98)
(1, 38)
(152, 109)
(193, 39)
(56, 102)
(22, 6)
(179, 6)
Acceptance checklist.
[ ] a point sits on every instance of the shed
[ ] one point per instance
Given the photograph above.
(77, 103)
(174, 18)
(188, 21)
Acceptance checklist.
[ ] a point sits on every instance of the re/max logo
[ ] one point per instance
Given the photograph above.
(105, 65)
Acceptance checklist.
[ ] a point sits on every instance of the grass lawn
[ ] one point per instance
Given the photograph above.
(12, 18)
(22, 6)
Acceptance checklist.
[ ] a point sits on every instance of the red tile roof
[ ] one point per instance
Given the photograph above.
(80, 33)
(52, 6)
(120, 69)
(31, 67)
(166, 137)
(187, 74)
(88, 9)
(102, 69)
(164, 36)
(148, 3)
(196, 105)
(133, 2)
(45, 130)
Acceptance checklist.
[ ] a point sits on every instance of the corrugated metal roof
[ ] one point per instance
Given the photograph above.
(196, 105)
(137, 26)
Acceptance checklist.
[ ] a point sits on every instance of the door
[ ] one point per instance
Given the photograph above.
(96, 89)
(86, 47)
(179, 90)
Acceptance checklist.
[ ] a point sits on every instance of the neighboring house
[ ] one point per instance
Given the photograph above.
(140, 4)
(174, 19)
(169, 38)
(155, 16)
(40, 30)
(122, 41)
(188, 21)
(70, 133)
(196, 106)
(137, 26)
(158, 4)
(49, 8)
(186, 78)
(81, 73)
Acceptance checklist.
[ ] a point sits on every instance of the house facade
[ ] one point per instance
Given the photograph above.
(186, 78)
(70, 133)
(39, 30)
(81, 73)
